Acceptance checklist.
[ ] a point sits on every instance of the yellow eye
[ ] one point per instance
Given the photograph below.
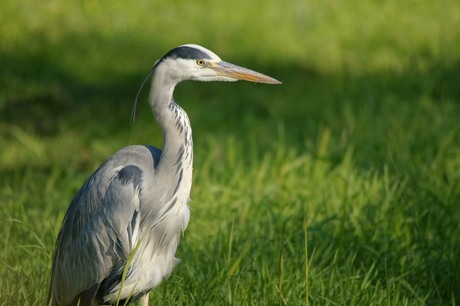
(200, 62)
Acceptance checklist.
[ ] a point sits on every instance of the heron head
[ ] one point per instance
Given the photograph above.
(193, 62)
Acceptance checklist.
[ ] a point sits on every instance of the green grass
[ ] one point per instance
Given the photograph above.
(352, 166)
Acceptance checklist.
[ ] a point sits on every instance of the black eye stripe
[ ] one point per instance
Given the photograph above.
(184, 52)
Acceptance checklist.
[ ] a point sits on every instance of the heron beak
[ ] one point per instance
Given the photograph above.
(241, 73)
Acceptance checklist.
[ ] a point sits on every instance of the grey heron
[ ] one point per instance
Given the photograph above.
(129, 214)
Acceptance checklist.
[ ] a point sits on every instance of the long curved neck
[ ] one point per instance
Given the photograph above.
(177, 131)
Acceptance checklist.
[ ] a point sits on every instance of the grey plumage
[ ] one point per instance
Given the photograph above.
(137, 199)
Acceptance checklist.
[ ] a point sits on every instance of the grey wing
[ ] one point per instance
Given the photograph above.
(101, 226)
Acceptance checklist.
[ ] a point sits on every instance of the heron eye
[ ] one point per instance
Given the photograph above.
(200, 62)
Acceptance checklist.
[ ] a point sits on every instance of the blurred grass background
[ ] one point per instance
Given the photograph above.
(339, 187)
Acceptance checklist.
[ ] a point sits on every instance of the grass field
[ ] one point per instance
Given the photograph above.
(339, 187)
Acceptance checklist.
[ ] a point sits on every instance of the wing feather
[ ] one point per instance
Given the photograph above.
(101, 226)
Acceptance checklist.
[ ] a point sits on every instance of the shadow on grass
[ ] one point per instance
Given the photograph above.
(39, 85)
(39, 95)
(39, 91)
